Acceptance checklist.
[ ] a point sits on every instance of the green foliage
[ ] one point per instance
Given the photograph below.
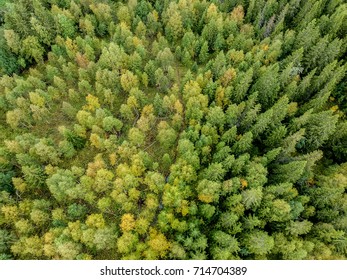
(173, 129)
(258, 243)
(6, 181)
(8, 60)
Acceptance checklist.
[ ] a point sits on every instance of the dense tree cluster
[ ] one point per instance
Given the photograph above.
(173, 129)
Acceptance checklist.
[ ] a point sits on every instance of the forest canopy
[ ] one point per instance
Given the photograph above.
(187, 129)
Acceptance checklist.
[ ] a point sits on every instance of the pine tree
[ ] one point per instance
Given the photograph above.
(267, 85)
(203, 55)
(258, 242)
